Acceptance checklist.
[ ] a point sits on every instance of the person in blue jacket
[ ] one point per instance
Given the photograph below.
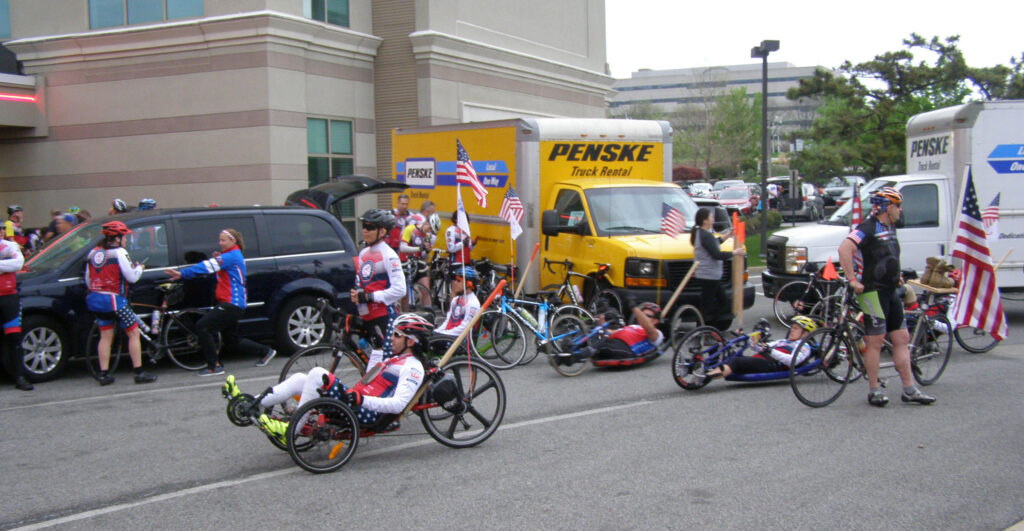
(230, 295)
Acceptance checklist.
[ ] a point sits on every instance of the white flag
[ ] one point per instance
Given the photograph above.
(463, 220)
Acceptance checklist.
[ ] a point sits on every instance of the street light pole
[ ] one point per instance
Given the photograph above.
(762, 52)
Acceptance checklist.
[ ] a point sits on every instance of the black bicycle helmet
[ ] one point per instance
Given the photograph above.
(379, 217)
(119, 205)
(13, 208)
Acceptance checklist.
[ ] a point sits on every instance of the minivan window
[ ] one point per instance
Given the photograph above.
(198, 237)
(54, 255)
(297, 234)
(147, 244)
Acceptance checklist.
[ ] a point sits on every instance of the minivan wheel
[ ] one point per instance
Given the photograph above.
(300, 325)
(45, 348)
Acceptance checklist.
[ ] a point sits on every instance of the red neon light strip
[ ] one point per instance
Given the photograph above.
(17, 97)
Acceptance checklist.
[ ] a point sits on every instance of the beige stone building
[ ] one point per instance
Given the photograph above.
(192, 102)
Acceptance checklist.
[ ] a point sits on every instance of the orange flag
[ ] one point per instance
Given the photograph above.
(741, 233)
(829, 272)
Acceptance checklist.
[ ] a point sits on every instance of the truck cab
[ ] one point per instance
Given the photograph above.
(593, 221)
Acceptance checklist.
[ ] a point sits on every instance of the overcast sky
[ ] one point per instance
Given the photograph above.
(665, 34)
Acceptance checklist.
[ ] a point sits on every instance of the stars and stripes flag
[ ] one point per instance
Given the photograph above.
(856, 217)
(990, 218)
(512, 211)
(978, 303)
(465, 174)
(672, 221)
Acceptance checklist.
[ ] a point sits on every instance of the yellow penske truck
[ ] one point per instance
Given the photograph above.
(594, 191)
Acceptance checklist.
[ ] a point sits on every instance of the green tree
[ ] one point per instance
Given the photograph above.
(721, 135)
(861, 125)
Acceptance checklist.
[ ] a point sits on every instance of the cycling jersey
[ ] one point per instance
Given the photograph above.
(413, 245)
(230, 269)
(881, 253)
(460, 313)
(394, 237)
(782, 351)
(12, 231)
(458, 245)
(381, 277)
(107, 270)
(635, 337)
(11, 261)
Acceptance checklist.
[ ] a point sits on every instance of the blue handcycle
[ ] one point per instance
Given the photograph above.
(707, 348)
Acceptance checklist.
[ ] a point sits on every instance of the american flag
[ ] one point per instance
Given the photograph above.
(672, 221)
(978, 303)
(990, 218)
(512, 211)
(856, 217)
(465, 174)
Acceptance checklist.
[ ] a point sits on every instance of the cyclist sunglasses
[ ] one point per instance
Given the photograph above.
(370, 226)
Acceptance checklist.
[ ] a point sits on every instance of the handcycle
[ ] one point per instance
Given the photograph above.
(837, 358)
(572, 336)
(163, 331)
(323, 433)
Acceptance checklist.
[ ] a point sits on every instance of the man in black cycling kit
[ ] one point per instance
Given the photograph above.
(875, 239)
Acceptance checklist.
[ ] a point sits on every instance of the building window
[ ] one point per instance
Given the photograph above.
(110, 13)
(329, 11)
(329, 143)
(5, 19)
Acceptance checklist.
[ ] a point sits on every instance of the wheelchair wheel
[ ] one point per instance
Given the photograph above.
(691, 353)
(930, 349)
(474, 419)
(322, 435)
(238, 408)
(685, 319)
(819, 379)
(566, 328)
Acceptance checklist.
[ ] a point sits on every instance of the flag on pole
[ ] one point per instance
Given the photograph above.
(672, 221)
(465, 174)
(461, 219)
(978, 303)
(990, 218)
(512, 211)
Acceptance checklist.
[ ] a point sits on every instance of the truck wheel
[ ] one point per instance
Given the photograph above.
(300, 325)
(45, 348)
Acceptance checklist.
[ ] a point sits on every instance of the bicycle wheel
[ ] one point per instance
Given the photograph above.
(685, 319)
(930, 349)
(498, 340)
(974, 340)
(695, 349)
(822, 376)
(420, 295)
(477, 416)
(556, 294)
(322, 435)
(578, 311)
(181, 341)
(118, 345)
(605, 297)
(795, 298)
(564, 331)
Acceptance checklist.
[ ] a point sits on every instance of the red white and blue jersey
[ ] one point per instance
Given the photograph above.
(460, 313)
(394, 238)
(636, 338)
(389, 386)
(230, 270)
(11, 261)
(107, 270)
(782, 351)
(381, 277)
(458, 245)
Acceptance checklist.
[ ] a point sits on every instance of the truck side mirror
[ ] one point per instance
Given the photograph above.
(549, 222)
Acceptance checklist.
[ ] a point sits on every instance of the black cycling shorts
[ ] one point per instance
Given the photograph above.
(883, 311)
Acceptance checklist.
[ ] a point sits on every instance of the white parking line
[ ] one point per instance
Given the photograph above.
(293, 470)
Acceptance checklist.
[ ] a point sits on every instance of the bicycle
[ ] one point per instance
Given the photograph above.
(801, 297)
(971, 339)
(175, 328)
(568, 293)
(418, 295)
(501, 329)
(837, 358)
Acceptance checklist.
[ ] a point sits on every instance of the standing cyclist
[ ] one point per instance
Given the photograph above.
(107, 269)
(380, 276)
(11, 261)
(876, 239)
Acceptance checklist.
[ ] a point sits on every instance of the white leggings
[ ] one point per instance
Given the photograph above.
(304, 385)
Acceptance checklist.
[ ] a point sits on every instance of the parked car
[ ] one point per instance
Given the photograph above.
(700, 190)
(293, 256)
(835, 188)
(723, 220)
(723, 184)
(738, 199)
(806, 204)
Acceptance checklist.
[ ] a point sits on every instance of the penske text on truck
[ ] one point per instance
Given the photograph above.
(600, 185)
(986, 138)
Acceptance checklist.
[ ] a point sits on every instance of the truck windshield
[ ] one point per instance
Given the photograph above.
(636, 210)
(842, 215)
(59, 250)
